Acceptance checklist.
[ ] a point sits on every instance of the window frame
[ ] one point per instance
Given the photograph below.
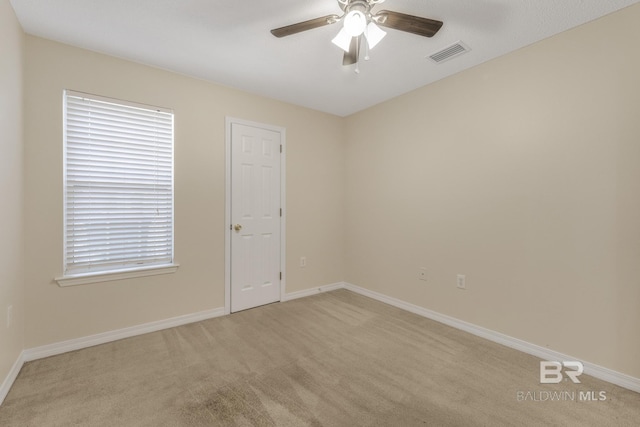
(127, 270)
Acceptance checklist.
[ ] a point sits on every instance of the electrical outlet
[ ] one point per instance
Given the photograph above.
(422, 274)
(303, 262)
(9, 316)
(461, 281)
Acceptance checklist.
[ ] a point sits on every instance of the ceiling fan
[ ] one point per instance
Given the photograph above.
(358, 21)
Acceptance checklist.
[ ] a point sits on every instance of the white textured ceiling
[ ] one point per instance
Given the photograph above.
(229, 42)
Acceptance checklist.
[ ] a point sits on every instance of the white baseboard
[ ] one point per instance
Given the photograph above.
(605, 374)
(312, 291)
(105, 337)
(11, 377)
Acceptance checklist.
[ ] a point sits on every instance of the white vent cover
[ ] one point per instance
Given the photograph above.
(451, 51)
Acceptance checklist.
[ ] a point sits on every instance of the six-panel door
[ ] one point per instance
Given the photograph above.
(255, 213)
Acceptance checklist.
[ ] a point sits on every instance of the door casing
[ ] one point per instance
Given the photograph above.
(229, 121)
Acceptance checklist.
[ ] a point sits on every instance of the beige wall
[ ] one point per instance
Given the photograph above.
(11, 170)
(315, 173)
(522, 173)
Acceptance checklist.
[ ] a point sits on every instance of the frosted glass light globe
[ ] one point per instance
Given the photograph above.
(355, 22)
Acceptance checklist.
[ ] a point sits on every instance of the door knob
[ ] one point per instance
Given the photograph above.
(237, 227)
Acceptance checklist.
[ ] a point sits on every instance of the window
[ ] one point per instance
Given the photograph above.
(118, 189)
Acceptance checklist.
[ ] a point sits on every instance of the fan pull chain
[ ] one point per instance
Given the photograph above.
(366, 51)
(358, 43)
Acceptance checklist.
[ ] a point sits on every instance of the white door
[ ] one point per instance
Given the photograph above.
(255, 216)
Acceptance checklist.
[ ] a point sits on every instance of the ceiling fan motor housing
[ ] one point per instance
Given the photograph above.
(363, 6)
(345, 4)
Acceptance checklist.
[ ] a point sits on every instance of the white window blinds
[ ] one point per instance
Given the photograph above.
(118, 185)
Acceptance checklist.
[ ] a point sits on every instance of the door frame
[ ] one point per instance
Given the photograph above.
(229, 121)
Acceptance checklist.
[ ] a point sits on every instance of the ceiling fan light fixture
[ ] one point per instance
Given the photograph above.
(358, 20)
(374, 34)
(355, 23)
(342, 40)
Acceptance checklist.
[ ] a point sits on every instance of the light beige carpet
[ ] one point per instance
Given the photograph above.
(335, 359)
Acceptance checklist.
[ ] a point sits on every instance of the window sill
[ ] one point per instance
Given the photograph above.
(84, 279)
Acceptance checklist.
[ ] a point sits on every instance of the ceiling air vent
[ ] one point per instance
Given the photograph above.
(456, 49)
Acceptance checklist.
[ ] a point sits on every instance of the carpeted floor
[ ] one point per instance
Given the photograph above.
(334, 359)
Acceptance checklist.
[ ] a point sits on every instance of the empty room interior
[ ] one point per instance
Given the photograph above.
(356, 235)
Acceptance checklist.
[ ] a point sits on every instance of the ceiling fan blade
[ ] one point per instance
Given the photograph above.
(412, 24)
(351, 57)
(305, 25)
